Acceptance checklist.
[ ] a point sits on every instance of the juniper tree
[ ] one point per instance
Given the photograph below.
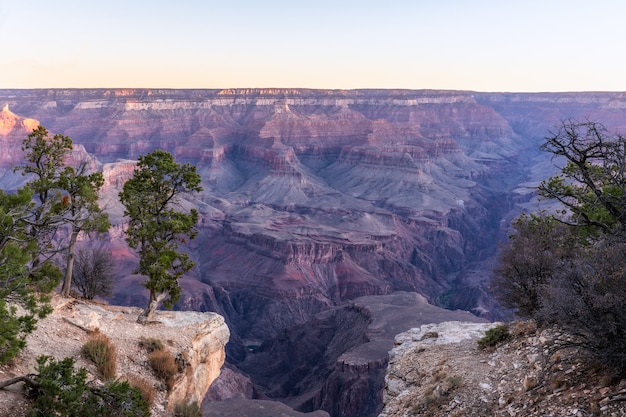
(23, 289)
(82, 212)
(157, 223)
(65, 196)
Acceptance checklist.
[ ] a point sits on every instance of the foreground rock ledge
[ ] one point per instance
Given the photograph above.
(410, 371)
(199, 338)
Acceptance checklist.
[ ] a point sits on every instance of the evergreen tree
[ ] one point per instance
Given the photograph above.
(23, 290)
(64, 196)
(156, 224)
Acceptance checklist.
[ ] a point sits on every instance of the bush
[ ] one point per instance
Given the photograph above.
(494, 336)
(187, 410)
(117, 398)
(61, 391)
(59, 388)
(102, 353)
(581, 288)
(94, 272)
(164, 365)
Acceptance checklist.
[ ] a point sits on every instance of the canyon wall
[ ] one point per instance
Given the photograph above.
(313, 198)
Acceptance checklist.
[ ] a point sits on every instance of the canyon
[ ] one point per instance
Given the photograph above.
(319, 205)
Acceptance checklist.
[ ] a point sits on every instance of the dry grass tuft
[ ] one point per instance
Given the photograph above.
(164, 365)
(102, 353)
(148, 392)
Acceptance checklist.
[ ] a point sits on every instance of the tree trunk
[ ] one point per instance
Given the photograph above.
(146, 315)
(69, 268)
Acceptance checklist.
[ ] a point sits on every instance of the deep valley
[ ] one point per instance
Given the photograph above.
(330, 220)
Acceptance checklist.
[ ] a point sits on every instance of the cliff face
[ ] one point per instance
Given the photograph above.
(315, 197)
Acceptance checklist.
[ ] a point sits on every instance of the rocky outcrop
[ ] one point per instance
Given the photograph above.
(438, 370)
(406, 369)
(198, 338)
(204, 358)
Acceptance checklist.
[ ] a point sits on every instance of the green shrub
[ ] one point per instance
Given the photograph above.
(115, 399)
(494, 336)
(187, 410)
(164, 365)
(102, 353)
(59, 390)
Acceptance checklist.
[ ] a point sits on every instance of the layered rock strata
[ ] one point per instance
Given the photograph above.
(316, 197)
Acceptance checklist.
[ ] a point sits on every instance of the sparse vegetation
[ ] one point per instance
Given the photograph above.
(102, 353)
(151, 344)
(60, 390)
(148, 392)
(187, 410)
(164, 365)
(437, 391)
(494, 336)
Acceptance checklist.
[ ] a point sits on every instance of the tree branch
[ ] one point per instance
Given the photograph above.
(27, 379)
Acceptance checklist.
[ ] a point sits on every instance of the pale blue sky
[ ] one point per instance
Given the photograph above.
(482, 45)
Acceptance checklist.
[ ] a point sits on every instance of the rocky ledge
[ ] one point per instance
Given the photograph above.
(437, 370)
(200, 338)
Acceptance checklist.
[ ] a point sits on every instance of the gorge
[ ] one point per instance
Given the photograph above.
(317, 205)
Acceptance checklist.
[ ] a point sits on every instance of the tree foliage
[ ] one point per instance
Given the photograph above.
(568, 268)
(592, 183)
(23, 289)
(44, 157)
(60, 390)
(65, 196)
(157, 223)
(56, 196)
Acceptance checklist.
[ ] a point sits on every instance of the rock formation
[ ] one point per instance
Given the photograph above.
(316, 197)
(437, 370)
(200, 338)
(337, 361)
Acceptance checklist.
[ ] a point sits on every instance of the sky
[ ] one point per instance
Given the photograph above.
(479, 45)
